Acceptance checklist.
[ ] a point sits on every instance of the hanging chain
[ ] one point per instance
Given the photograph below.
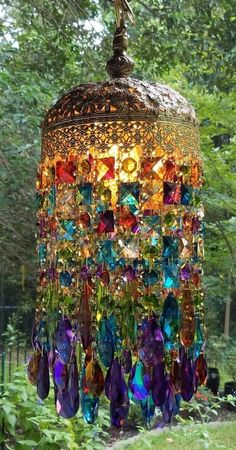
(120, 64)
(123, 12)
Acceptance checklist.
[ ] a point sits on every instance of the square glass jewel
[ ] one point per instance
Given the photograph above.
(151, 197)
(129, 248)
(171, 276)
(106, 168)
(152, 168)
(84, 194)
(170, 247)
(186, 194)
(106, 222)
(106, 252)
(129, 194)
(128, 220)
(65, 172)
(66, 230)
(171, 193)
(150, 223)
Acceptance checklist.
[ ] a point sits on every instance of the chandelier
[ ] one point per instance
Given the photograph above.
(120, 247)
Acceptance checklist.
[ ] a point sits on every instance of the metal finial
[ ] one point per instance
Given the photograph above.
(120, 64)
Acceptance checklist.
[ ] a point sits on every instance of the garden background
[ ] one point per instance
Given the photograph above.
(48, 47)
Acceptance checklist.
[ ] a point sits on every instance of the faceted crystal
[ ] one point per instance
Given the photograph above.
(33, 367)
(151, 345)
(129, 165)
(84, 194)
(84, 221)
(159, 384)
(201, 369)
(106, 168)
(128, 274)
(150, 278)
(89, 405)
(198, 338)
(66, 230)
(148, 409)
(128, 220)
(43, 382)
(171, 276)
(152, 168)
(172, 193)
(186, 194)
(106, 252)
(105, 342)
(115, 386)
(188, 378)
(170, 246)
(63, 340)
(65, 172)
(60, 375)
(170, 321)
(126, 360)
(185, 272)
(139, 381)
(93, 382)
(187, 320)
(106, 222)
(129, 194)
(65, 279)
(169, 407)
(119, 414)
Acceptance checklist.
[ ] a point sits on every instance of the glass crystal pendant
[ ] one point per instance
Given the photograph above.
(120, 247)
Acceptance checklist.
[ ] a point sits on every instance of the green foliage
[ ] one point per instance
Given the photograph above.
(30, 423)
(221, 352)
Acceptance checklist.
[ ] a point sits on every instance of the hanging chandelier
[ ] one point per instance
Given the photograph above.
(120, 247)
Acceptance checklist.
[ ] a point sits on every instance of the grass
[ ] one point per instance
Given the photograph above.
(211, 437)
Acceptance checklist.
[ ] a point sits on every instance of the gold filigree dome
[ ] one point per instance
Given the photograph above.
(119, 98)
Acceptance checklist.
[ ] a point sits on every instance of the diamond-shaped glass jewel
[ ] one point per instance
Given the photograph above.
(152, 168)
(186, 194)
(170, 246)
(106, 253)
(65, 172)
(84, 194)
(172, 193)
(106, 222)
(66, 230)
(105, 168)
(171, 276)
(129, 194)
